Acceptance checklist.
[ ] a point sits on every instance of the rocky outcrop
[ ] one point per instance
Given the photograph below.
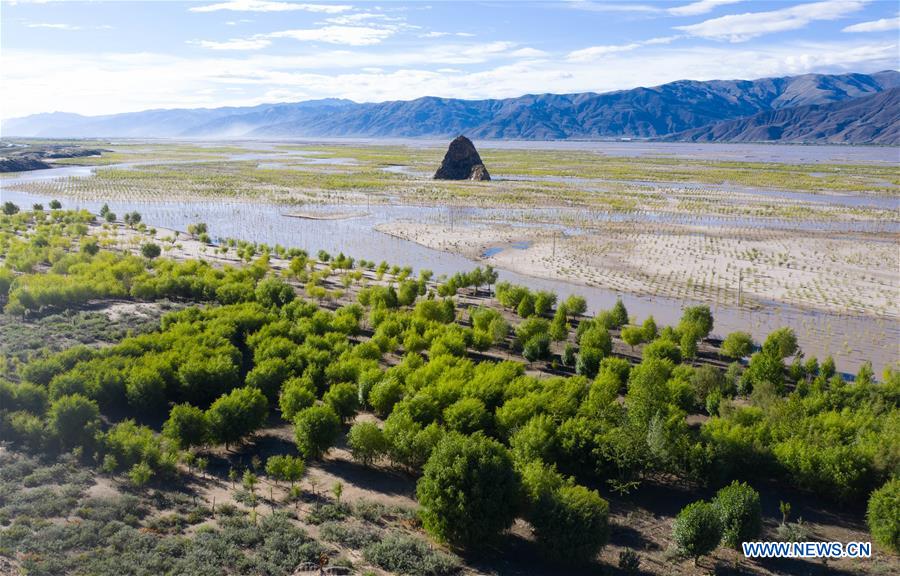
(462, 162)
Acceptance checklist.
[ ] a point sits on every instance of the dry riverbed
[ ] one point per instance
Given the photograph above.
(852, 274)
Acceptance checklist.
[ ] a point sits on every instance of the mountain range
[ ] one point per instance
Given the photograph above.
(845, 108)
(871, 119)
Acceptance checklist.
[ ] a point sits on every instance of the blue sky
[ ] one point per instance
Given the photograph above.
(106, 57)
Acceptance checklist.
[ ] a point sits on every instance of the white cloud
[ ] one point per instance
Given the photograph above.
(348, 35)
(53, 26)
(270, 6)
(234, 44)
(90, 83)
(701, 7)
(613, 7)
(436, 34)
(883, 25)
(358, 17)
(595, 52)
(743, 27)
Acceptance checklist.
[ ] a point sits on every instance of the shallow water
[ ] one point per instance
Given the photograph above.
(780, 153)
(850, 339)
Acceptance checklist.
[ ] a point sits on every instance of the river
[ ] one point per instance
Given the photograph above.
(850, 339)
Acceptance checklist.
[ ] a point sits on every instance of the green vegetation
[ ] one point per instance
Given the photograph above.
(417, 378)
(884, 522)
(697, 530)
(469, 491)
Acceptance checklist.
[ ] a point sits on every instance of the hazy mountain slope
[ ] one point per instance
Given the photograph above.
(871, 119)
(636, 113)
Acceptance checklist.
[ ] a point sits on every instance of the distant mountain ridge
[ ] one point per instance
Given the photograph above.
(871, 119)
(661, 111)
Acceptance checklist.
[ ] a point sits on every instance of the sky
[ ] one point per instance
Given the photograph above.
(97, 57)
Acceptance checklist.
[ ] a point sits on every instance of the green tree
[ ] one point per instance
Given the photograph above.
(537, 347)
(140, 474)
(571, 524)
(145, 389)
(150, 250)
(737, 345)
(268, 376)
(781, 343)
(90, 246)
(367, 442)
(55, 204)
(187, 426)
(385, 395)
(543, 302)
(296, 394)
(9, 208)
(650, 330)
(865, 375)
(698, 316)
(690, 334)
(467, 416)
(469, 491)
(883, 515)
(410, 444)
(316, 430)
(285, 468)
(73, 420)
(697, 530)
(740, 512)
(632, 335)
(619, 314)
(237, 414)
(575, 305)
(274, 292)
(525, 309)
(343, 398)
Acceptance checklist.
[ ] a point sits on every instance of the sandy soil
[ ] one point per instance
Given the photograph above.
(856, 274)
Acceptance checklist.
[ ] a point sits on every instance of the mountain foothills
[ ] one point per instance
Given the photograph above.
(872, 119)
(812, 107)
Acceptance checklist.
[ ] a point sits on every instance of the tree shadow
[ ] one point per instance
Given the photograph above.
(380, 480)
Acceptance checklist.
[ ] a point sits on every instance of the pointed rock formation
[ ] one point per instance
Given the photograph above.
(462, 162)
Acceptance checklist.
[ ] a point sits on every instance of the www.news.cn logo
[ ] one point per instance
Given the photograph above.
(807, 549)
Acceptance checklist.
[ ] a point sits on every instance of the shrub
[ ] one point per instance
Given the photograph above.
(351, 535)
(316, 429)
(883, 515)
(404, 554)
(697, 530)
(629, 562)
(469, 492)
(740, 513)
(571, 524)
(150, 250)
(74, 420)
